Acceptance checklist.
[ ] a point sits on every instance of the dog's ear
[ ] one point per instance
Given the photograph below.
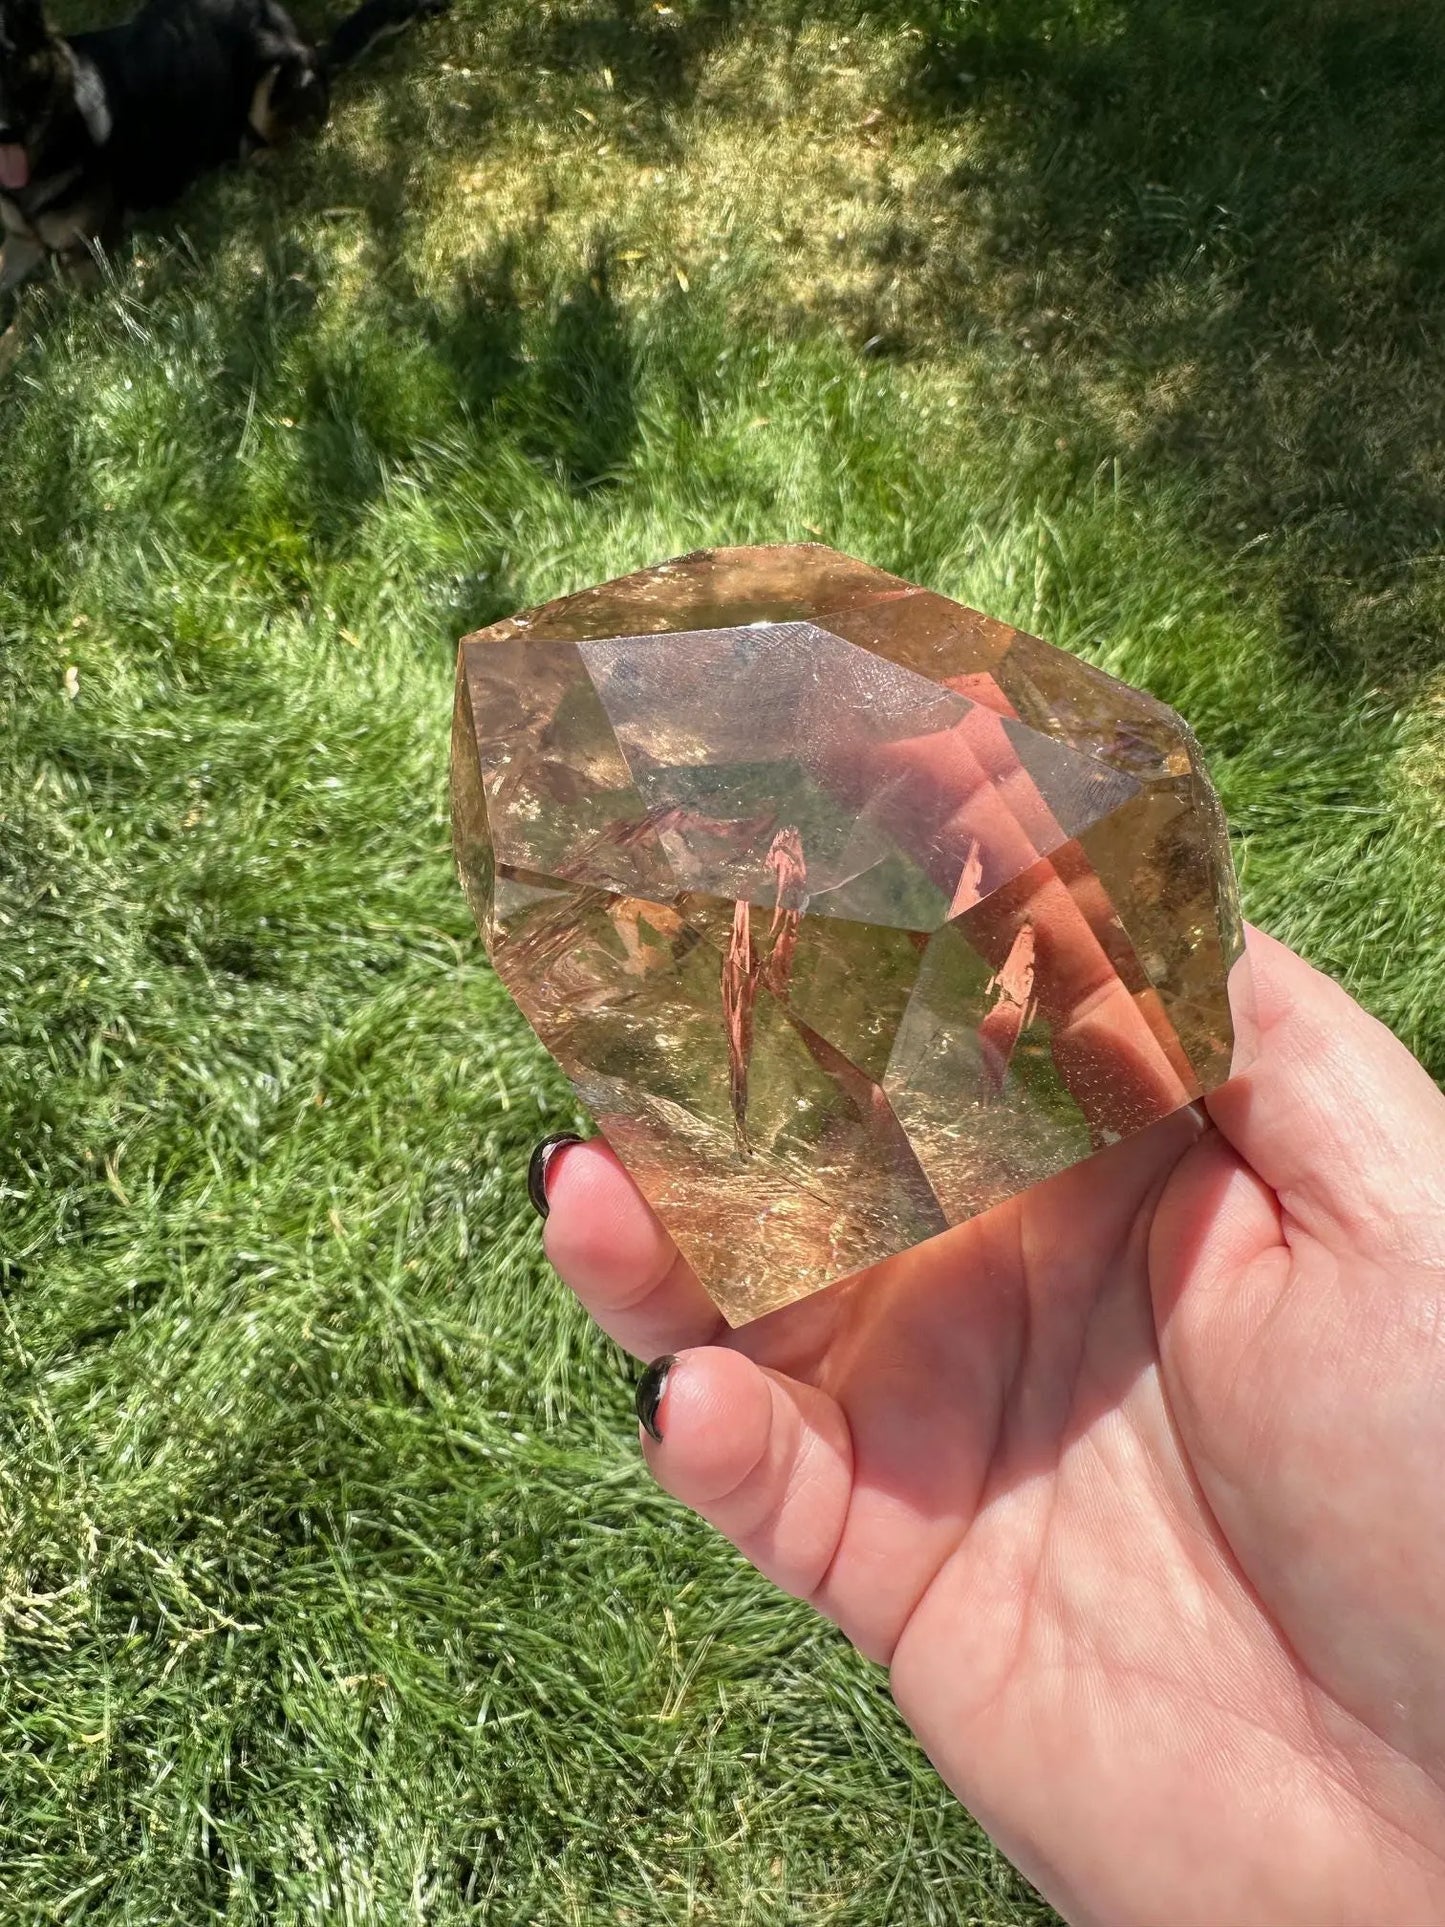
(293, 98)
(22, 26)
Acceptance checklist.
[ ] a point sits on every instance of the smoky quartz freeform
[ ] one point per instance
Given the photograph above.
(849, 912)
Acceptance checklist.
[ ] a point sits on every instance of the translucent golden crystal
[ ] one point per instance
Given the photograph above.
(850, 912)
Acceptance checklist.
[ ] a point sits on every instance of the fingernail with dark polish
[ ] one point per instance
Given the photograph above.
(650, 1388)
(537, 1169)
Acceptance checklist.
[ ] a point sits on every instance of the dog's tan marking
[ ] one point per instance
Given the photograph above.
(263, 118)
(18, 258)
(12, 221)
(74, 227)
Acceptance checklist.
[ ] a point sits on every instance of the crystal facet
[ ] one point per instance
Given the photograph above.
(850, 912)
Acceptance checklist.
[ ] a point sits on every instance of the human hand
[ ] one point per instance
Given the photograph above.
(1133, 1483)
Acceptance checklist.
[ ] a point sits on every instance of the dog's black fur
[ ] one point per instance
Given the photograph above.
(96, 127)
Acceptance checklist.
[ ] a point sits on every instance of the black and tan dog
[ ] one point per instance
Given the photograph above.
(100, 126)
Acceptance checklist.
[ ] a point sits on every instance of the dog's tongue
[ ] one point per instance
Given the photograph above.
(14, 167)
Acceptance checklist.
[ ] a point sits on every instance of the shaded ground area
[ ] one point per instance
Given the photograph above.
(1222, 228)
(330, 1584)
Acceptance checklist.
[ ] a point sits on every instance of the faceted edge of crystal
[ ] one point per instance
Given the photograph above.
(870, 586)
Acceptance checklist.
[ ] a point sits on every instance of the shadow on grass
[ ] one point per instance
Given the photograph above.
(1217, 233)
(654, 54)
(1206, 236)
(549, 370)
(583, 413)
(1209, 232)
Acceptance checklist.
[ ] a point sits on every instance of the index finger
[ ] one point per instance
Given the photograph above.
(609, 1246)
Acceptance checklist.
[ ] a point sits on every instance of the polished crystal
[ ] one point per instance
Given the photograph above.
(849, 912)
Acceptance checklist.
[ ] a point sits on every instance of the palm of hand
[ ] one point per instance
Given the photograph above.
(1133, 1483)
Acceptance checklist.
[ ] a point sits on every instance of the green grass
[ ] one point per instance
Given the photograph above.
(329, 1584)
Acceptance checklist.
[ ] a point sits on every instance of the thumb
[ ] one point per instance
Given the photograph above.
(765, 1459)
(1334, 1114)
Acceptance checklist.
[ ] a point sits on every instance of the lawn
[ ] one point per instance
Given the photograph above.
(331, 1588)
